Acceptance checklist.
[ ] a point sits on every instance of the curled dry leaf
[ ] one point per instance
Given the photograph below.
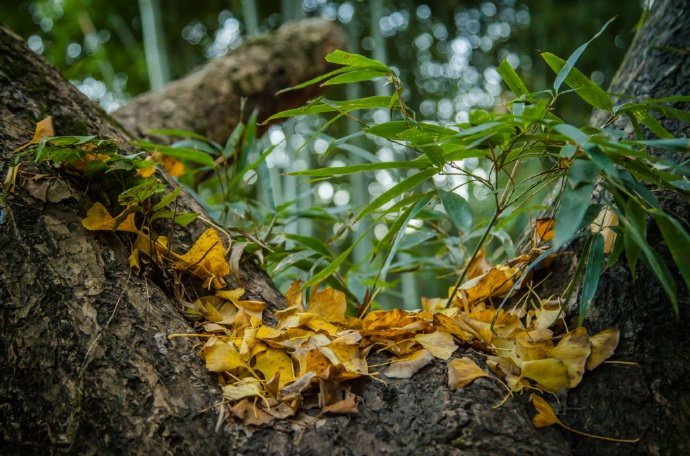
(409, 365)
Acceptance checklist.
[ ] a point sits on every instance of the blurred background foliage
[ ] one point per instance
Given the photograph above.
(446, 53)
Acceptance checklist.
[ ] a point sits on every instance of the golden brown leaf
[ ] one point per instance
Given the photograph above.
(99, 219)
(44, 129)
(206, 260)
(347, 406)
(221, 357)
(574, 349)
(462, 372)
(251, 415)
(545, 415)
(272, 362)
(543, 231)
(605, 220)
(550, 373)
(172, 165)
(603, 346)
(231, 295)
(329, 304)
(439, 343)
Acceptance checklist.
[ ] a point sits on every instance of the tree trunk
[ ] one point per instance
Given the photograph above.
(87, 366)
(651, 399)
(208, 100)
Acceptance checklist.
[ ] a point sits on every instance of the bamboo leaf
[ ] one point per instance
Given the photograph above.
(590, 281)
(402, 187)
(457, 209)
(583, 86)
(512, 79)
(574, 57)
(355, 76)
(677, 240)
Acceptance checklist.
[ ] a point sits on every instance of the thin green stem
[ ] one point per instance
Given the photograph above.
(477, 249)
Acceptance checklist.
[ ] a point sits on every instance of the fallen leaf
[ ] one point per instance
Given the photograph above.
(329, 304)
(347, 406)
(206, 260)
(479, 266)
(439, 343)
(603, 346)
(574, 349)
(231, 295)
(272, 362)
(545, 415)
(172, 165)
(99, 219)
(246, 387)
(408, 365)
(603, 223)
(495, 283)
(346, 355)
(550, 373)
(462, 372)
(293, 295)
(251, 415)
(299, 385)
(221, 357)
(543, 231)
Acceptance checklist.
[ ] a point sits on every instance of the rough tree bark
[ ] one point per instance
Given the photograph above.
(652, 399)
(207, 101)
(87, 366)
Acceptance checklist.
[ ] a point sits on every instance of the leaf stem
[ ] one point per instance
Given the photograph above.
(479, 246)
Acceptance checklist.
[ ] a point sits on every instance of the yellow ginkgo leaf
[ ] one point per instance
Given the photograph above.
(495, 283)
(231, 295)
(545, 415)
(543, 231)
(221, 357)
(146, 172)
(574, 349)
(252, 308)
(433, 304)
(346, 355)
(408, 365)
(44, 129)
(329, 304)
(439, 343)
(603, 346)
(247, 387)
(172, 165)
(462, 372)
(293, 295)
(206, 259)
(550, 373)
(455, 327)
(272, 362)
(99, 219)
